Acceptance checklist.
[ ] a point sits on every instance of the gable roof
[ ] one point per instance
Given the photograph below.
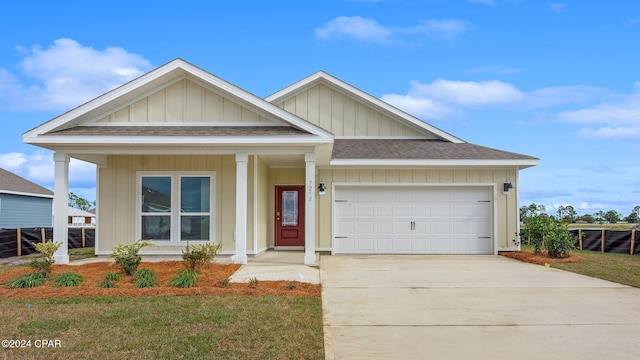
(11, 183)
(117, 98)
(349, 90)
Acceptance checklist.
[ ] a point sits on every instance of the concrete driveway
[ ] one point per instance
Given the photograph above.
(472, 307)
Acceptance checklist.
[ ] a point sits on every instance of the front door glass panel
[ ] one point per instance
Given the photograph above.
(289, 208)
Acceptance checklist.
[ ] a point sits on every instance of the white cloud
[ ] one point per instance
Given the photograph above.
(557, 7)
(39, 168)
(444, 29)
(369, 30)
(67, 74)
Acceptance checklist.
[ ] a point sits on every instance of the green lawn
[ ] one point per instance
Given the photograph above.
(620, 268)
(176, 327)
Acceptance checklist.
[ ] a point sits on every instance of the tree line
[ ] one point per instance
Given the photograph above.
(568, 214)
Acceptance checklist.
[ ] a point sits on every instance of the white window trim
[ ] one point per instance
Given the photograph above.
(175, 205)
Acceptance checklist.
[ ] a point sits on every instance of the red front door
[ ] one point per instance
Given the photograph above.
(289, 216)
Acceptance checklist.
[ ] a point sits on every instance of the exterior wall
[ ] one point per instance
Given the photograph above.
(184, 101)
(19, 211)
(342, 115)
(116, 196)
(505, 205)
(263, 194)
(280, 176)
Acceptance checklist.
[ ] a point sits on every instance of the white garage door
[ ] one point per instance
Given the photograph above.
(412, 220)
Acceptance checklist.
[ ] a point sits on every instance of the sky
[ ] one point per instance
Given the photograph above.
(558, 80)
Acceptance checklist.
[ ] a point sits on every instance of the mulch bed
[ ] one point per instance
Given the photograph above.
(540, 259)
(207, 283)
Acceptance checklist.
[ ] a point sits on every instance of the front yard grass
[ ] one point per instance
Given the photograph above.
(171, 327)
(620, 268)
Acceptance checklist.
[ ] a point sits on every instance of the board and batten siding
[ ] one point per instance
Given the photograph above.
(342, 115)
(21, 211)
(116, 198)
(183, 101)
(506, 205)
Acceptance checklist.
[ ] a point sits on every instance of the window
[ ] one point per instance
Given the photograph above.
(175, 207)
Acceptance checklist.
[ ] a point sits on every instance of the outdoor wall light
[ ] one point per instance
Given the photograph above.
(322, 188)
(507, 186)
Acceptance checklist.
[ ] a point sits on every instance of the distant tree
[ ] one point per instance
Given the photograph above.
(599, 216)
(634, 216)
(612, 216)
(566, 214)
(532, 210)
(80, 202)
(587, 218)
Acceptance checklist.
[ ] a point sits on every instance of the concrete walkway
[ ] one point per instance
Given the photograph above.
(278, 265)
(472, 307)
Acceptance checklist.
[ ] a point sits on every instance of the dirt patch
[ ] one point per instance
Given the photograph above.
(540, 259)
(208, 283)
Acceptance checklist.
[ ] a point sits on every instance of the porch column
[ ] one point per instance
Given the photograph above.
(241, 209)
(61, 207)
(310, 209)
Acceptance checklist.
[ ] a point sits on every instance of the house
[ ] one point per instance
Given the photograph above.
(183, 155)
(23, 204)
(80, 218)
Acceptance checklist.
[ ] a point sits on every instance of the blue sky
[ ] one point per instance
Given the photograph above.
(558, 80)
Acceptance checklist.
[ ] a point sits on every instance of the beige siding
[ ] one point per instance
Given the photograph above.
(342, 115)
(262, 201)
(116, 204)
(506, 205)
(184, 101)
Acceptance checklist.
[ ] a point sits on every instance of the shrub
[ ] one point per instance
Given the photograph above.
(185, 278)
(536, 228)
(126, 255)
(198, 256)
(26, 281)
(106, 284)
(145, 278)
(224, 283)
(68, 279)
(558, 240)
(253, 282)
(113, 276)
(43, 264)
(292, 285)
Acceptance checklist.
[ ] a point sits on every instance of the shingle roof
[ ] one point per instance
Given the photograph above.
(14, 183)
(417, 149)
(180, 131)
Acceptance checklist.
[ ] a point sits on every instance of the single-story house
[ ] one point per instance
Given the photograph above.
(24, 204)
(80, 218)
(184, 156)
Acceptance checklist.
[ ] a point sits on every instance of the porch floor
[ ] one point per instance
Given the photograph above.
(278, 265)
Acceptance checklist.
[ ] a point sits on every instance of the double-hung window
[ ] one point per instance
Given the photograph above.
(176, 207)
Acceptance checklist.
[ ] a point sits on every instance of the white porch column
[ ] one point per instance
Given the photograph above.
(61, 207)
(241, 209)
(310, 209)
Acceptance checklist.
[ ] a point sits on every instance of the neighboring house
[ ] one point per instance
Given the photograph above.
(23, 204)
(183, 155)
(80, 218)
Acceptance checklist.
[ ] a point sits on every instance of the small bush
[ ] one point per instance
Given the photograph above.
(196, 257)
(126, 255)
(254, 282)
(106, 284)
(558, 241)
(292, 285)
(26, 281)
(68, 279)
(185, 278)
(43, 264)
(224, 283)
(145, 278)
(113, 276)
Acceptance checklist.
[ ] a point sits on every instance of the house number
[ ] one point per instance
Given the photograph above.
(310, 191)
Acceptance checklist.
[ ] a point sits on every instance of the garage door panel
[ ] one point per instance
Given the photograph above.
(413, 219)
